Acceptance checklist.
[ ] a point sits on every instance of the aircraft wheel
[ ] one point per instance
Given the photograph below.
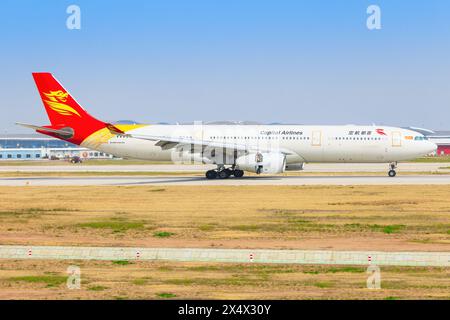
(211, 174)
(392, 173)
(238, 173)
(223, 174)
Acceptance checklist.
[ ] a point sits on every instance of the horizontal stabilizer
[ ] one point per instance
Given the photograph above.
(61, 132)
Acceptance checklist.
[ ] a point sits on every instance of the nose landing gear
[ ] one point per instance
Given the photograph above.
(392, 172)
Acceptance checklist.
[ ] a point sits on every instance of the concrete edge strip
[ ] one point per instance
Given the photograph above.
(439, 259)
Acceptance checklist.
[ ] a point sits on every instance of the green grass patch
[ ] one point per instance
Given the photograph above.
(163, 234)
(165, 268)
(140, 282)
(311, 271)
(121, 262)
(49, 280)
(204, 268)
(206, 227)
(115, 226)
(393, 228)
(348, 269)
(97, 288)
(373, 227)
(391, 298)
(235, 280)
(247, 227)
(33, 211)
(344, 269)
(166, 295)
(323, 285)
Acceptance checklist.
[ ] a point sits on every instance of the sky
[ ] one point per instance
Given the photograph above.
(286, 61)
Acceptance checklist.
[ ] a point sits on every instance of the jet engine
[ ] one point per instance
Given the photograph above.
(262, 162)
(295, 166)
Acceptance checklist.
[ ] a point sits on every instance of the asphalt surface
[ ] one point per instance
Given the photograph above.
(310, 167)
(321, 176)
(252, 180)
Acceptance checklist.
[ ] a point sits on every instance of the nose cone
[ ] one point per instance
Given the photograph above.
(431, 147)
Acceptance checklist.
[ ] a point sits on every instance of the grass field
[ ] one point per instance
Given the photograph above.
(387, 218)
(432, 159)
(163, 280)
(316, 217)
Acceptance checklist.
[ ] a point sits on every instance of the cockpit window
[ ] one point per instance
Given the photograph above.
(420, 138)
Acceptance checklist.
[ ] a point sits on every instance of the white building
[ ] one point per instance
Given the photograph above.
(36, 147)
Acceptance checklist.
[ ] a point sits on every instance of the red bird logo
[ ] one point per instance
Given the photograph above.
(381, 132)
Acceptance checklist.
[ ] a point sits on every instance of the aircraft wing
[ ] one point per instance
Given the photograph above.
(167, 142)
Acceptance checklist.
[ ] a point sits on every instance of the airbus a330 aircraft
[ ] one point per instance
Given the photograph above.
(233, 148)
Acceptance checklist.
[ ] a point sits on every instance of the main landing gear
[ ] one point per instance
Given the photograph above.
(224, 173)
(392, 172)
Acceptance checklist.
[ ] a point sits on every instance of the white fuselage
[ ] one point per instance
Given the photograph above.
(347, 143)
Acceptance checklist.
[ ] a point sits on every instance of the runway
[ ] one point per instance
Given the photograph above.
(309, 167)
(245, 181)
(439, 259)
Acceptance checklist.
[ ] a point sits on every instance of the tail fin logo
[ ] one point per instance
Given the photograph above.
(55, 102)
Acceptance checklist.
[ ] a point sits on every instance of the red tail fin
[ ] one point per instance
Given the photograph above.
(63, 111)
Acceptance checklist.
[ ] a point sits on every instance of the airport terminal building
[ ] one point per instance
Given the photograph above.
(37, 146)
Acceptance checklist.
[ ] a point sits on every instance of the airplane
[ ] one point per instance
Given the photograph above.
(268, 149)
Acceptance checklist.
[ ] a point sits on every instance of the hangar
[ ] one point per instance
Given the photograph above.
(442, 139)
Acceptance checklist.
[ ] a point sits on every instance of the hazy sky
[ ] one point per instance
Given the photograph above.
(311, 62)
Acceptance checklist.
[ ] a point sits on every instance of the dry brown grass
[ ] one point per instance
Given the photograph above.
(311, 217)
(153, 280)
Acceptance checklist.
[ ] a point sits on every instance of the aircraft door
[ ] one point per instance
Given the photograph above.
(396, 139)
(316, 138)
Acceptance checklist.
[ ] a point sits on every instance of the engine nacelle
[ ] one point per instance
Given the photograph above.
(294, 166)
(262, 162)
